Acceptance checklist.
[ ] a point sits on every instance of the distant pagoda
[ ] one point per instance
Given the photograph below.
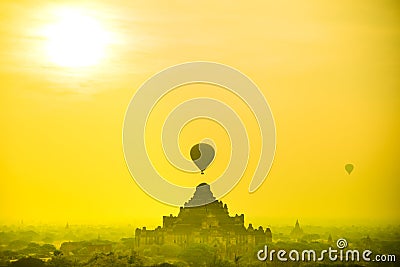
(203, 219)
(297, 232)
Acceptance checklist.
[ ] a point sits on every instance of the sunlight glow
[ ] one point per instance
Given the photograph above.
(76, 40)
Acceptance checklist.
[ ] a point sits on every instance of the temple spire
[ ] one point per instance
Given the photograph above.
(201, 196)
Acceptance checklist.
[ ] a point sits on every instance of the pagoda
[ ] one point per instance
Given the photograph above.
(204, 219)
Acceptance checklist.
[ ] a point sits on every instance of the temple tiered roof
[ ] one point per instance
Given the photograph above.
(202, 196)
(204, 219)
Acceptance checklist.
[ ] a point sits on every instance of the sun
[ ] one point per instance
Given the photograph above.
(75, 39)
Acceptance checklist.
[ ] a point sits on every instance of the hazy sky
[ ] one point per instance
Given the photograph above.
(328, 69)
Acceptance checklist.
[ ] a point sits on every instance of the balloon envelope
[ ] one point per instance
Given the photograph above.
(202, 155)
(349, 168)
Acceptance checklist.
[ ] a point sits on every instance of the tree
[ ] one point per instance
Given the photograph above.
(28, 262)
(170, 250)
(198, 254)
(237, 259)
(60, 262)
(57, 253)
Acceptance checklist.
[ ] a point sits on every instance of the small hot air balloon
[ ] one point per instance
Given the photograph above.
(202, 155)
(349, 168)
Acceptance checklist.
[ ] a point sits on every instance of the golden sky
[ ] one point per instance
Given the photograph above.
(328, 69)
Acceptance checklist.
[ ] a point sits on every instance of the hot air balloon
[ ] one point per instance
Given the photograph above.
(349, 168)
(202, 155)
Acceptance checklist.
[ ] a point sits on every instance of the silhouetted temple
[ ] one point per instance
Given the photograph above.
(210, 223)
(297, 232)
